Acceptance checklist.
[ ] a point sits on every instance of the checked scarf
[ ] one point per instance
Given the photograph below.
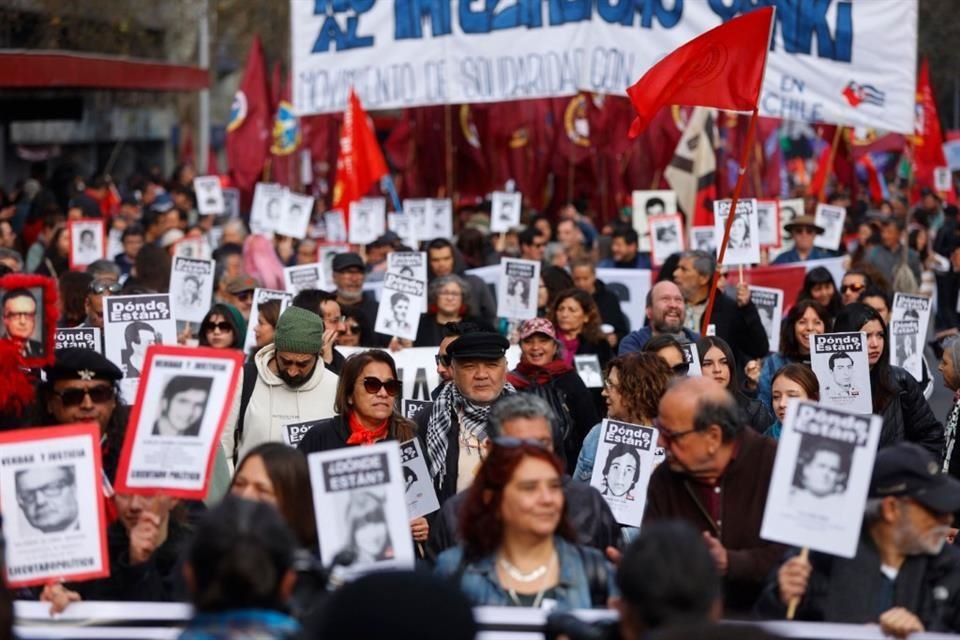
(950, 432)
(472, 417)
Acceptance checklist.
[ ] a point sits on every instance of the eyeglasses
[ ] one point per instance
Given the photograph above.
(373, 385)
(671, 436)
(19, 315)
(681, 369)
(50, 490)
(443, 360)
(856, 288)
(509, 442)
(352, 329)
(450, 294)
(74, 397)
(803, 230)
(104, 287)
(219, 326)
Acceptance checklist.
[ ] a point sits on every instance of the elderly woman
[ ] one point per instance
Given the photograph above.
(806, 318)
(543, 372)
(717, 362)
(517, 546)
(793, 382)
(448, 300)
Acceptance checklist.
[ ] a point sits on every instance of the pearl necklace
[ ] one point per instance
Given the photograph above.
(525, 578)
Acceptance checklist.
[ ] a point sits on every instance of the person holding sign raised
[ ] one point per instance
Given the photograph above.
(904, 575)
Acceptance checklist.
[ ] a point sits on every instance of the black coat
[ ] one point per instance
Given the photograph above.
(754, 412)
(740, 327)
(430, 333)
(325, 435)
(908, 416)
(610, 310)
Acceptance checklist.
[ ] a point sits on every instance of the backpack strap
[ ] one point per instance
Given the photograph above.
(250, 376)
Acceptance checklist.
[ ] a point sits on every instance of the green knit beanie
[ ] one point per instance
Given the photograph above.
(299, 331)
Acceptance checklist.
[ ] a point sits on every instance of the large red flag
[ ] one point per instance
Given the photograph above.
(360, 162)
(248, 131)
(722, 68)
(928, 138)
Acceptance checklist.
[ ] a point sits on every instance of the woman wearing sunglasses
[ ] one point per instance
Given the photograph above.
(223, 328)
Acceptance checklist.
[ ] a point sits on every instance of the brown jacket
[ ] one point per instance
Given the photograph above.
(743, 487)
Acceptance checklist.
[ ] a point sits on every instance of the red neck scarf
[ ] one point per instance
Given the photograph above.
(533, 374)
(361, 435)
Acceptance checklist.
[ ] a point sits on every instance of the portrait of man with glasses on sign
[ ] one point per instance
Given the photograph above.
(47, 497)
(20, 312)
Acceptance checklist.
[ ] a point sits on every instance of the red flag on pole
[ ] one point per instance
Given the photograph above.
(928, 139)
(722, 68)
(360, 162)
(248, 131)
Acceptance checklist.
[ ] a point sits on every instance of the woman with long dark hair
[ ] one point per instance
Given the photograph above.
(717, 362)
(806, 318)
(223, 328)
(819, 285)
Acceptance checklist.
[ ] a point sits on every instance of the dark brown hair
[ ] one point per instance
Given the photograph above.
(803, 376)
(643, 381)
(789, 345)
(400, 428)
(591, 330)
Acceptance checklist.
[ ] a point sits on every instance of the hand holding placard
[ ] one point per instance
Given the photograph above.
(792, 581)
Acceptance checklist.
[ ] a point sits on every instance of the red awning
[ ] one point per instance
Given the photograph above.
(60, 70)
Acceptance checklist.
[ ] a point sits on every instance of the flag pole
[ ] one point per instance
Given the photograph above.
(742, 173)
(821, 197)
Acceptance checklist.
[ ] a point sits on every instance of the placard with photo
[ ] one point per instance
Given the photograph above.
(368, 220)
(114, 243)
(768, 223)
(692, 355)
(703, 239)
(909, 318)
(259, 297)
(820, 478)
(743, 245)
(410, 264)
(417, 483)
(401, 301)
(191, 288)
(176, 421)
(624, 462)
(361, 507)
(197, 248)
(54, 522)
(87, 242)
(666, 237)
(831, 219)
(942, 179)
(839, 360)
(131, 324)
(231, 202)
(412, 408)
(651, 203)
(266, 208)
(589, 370)
(78, 338)
(769, 303)
(335, 229)
(209, 195)
(303, 276)
(296, 210)
(29, 307)
(420, 216)
(327, 253)
(505, 210)
(789, 210)
(440, 217)
(517, 290)
(403, 225)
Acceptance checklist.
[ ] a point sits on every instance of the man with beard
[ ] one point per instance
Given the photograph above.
(291, 386)
(904, 575)
(666, 314)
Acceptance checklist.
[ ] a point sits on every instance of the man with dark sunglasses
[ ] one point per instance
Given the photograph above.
(803, 230)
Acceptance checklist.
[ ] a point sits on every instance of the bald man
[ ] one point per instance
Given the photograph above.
(716, 476)
(666, 314)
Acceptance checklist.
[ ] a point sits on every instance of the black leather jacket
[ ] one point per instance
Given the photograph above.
(908, 416)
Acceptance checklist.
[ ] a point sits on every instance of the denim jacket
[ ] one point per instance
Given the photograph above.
(480, 584)
(588, 454)
(246, 624)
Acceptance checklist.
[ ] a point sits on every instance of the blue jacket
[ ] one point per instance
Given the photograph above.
(479, 582)
(792, 256)
(771, 364)
(642, 261)
(636, 340)
(239, 624)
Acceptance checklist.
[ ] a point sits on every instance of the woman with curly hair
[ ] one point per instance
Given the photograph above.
(634, 384)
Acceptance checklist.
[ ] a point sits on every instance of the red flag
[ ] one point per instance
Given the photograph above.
(722, 68)
(359, 162)
(928, 138)
(248, 131)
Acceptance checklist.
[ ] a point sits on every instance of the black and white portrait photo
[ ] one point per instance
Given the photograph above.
(504, 211)
(840, 363)
(296, 212)
(823, 466)
(768, 223)
(182, 406)
(266, 207)
(666, 237)
(518, 291)
(47, 498)
(621, 472)
(87, 242)
(742, 244)
(209, 192)
(137, 336)
(368, 535)
(588, 367)
(399, 310)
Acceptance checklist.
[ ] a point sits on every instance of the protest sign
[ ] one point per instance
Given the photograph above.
(768, 223)
(78, 338)
(334, 228)
(418, 487)
(87, 242)
(191, 288)
(692, 356)
(909, 318)
(231, 202)
(303, 276)
(820, 478)
(412, 408)
(259, 297)
(440, 217)
(294, 432)
(296, 211)
(840, 363)
(183, 400)
(666, 237)
(624, 462)
(197, 248)
(30, 310)
(410, 264)
(400, 303)
(831, 219)
(769, 304)
(327, 253)
(651, 203)
(588, 367)
(209, 195)
(505, 211)
(133, 323)
(368, 220)
(266, 207)
(703, 239)
(114, 243)
(403, 225)
(743, 245)
(360, 505)
(53, 517)
(789, 210)
(942, 179)
(517, 290)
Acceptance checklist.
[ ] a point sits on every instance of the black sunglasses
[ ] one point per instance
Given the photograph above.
(681, 369)
(373, 385)
(222, 326)
(856, 288)
(353, 330)
(512, 443)
(244, 295)
(442, 360)
(101, 287)
(74, 397)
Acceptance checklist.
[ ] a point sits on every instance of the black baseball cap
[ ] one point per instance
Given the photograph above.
(909, 471)
(344, 261)
(483, 345)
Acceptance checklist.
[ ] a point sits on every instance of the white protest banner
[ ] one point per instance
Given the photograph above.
(505, 211)
(909, 318)
(359, 501)
(418, 487)
(588, 368)
(624, 462)
(647, 204)
(831, 219)
(334, 228)
(517, 289)
(768, 223)
(666, 237)
(743, 245)
(820, 478)
(789, 210)
(400, 303)
(209, 195)
(266, 207)
(852, 63)
(840, 363)
(259, 297)
(294, 432)
(130, 325)
(413, 408)
(191, 288)
(78, 338)
(368, 220)
(692, 355)
(703, 239)
(53, 517)
(176, 421)
(769, 303)
(87, 242)
(303, 276)
(440, 216)
(295, 212)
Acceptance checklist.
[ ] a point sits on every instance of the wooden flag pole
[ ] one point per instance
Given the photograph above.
(822, 196)
(742, 173)
(795, 602)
